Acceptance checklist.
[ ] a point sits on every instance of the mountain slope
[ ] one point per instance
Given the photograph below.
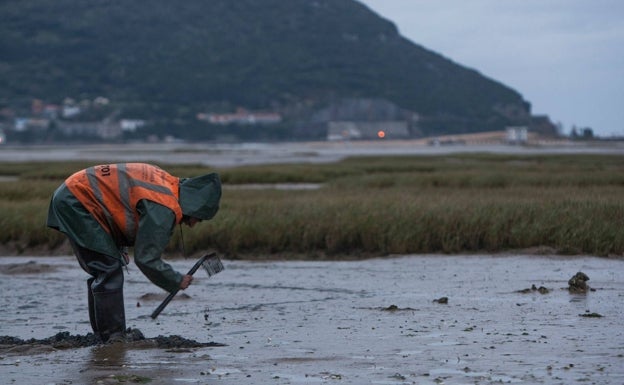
(181, 57)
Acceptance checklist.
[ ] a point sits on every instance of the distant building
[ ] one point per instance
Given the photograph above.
(131, 125)
(25, 124)
(101, 101)
(517, 135)
(70, 111)
(51, 111)
(348, 130)
(90, 129)
(241, 116)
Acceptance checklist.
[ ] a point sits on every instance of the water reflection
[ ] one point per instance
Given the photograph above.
(106, 359)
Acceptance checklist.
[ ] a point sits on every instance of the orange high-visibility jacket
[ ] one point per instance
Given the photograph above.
(111, 192)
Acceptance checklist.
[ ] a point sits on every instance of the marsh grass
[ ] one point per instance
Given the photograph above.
(371, 206)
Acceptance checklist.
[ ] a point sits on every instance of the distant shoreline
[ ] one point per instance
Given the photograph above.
(224, 155)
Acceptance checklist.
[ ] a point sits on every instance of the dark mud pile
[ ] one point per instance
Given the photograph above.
(61, 340)
(65, 340)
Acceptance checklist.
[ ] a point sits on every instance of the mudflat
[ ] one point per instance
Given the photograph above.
(418, 319)
(224, 155)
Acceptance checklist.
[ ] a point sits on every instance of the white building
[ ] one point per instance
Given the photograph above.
(517, 135)
(131, 125)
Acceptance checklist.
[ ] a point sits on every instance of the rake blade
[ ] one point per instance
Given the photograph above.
(212, 265)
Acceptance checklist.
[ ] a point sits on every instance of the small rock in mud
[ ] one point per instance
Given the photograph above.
(442, 300)
(533, 288)
(393, 308)
(591, 315)
(578, 283)
(133, 335)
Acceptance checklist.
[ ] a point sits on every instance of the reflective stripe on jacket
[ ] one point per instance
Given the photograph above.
(111, 192)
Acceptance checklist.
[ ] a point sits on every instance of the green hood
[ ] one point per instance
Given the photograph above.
(200, 196)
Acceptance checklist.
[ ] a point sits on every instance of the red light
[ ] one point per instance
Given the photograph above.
(381, 134)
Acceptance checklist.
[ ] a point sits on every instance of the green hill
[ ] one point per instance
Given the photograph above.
(166, 61)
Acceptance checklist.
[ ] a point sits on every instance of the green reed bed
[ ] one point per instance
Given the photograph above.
(424, 221)
(372, 206)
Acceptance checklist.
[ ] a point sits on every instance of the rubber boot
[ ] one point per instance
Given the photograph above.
(91, 303)
(110, 314)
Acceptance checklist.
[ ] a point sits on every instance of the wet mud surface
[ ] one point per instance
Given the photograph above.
(516, 319)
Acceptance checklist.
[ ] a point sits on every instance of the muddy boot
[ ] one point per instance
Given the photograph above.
(110, 314)
(90, 301)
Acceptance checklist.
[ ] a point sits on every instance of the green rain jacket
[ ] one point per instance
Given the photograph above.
(199, 198)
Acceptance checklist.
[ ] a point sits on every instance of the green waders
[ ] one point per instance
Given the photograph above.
(105, 292)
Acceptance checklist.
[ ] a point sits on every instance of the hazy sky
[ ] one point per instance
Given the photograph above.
(566, 57)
